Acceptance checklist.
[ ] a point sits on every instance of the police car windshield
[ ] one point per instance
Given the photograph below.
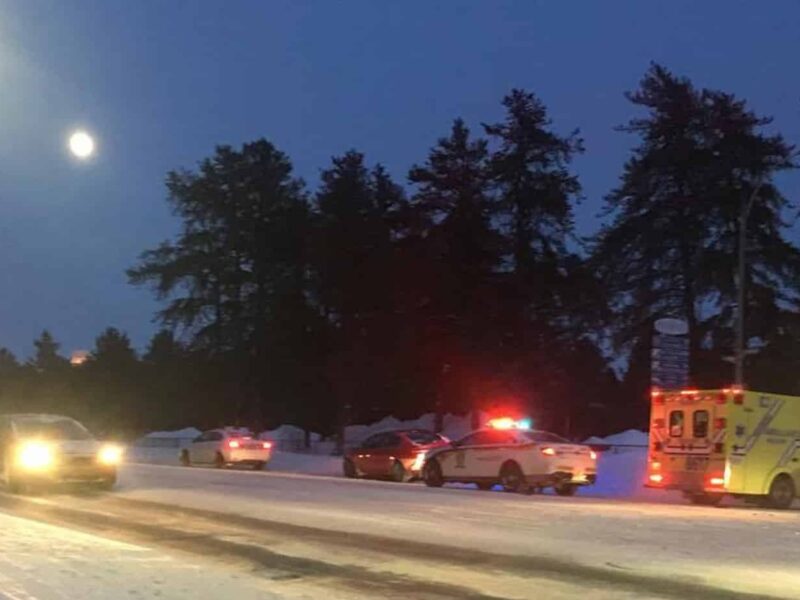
(544, 436)
(52, 429)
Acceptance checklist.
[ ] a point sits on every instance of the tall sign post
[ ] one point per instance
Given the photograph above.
(669, 357)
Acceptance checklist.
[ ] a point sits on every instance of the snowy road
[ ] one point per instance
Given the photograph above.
(299, 534)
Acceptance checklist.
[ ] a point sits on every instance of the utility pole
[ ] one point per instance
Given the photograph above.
(739, 355)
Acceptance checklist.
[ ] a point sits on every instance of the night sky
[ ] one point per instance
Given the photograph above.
(160, 82)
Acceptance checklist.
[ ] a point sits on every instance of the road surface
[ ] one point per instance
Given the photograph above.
(291, 535)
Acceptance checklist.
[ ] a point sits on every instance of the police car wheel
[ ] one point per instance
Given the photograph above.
(512, 479)
(566, 489)
(781, 492)
(432, 474)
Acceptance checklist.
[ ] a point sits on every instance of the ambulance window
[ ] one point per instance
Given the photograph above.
(676, 423)
(700, 424)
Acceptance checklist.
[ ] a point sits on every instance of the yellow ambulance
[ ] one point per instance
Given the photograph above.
(708, 443)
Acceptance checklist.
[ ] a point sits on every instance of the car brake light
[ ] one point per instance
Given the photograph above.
(592, 454)
(549, 451)
(233, 443)
(266, 445)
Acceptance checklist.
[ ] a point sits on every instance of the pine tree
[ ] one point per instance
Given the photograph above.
(670, 249)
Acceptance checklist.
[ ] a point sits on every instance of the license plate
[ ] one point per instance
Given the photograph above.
(696, 463)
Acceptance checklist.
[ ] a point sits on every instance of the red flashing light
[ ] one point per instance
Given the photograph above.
(233, 443)
(266, 445)
(502, 423)
(548, 451)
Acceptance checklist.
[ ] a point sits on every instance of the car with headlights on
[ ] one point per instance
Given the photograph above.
(224, 447)
(511, 454)
(43, 449)
(396, 455)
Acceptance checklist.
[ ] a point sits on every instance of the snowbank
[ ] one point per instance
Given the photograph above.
(188, 432)
(454, 426)
(631, 437)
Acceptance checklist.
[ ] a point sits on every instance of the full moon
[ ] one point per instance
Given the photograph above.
(81, 145)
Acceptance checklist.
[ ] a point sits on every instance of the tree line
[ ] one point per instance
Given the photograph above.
(464, 286)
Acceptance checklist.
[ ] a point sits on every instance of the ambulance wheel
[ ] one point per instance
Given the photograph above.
(432, 474)
(565, 489)
(781, 492)
(512, 479)
(705, 499)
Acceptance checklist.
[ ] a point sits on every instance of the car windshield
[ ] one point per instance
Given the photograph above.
(544, 436)
(423, 437)
(53, 429)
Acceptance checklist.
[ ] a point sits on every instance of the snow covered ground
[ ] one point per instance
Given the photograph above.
(735, 548)
(44, 562)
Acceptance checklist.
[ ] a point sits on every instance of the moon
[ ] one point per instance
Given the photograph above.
(81, 145)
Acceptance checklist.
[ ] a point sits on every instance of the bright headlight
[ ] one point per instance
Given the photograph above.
(110, 455)
(34, 455)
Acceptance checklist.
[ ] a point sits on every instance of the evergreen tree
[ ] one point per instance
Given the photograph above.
(670, 249)
(46, 357)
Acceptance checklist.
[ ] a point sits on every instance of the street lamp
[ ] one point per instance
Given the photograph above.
(744, 214)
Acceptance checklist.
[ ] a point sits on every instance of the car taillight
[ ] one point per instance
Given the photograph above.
(656, 478)
(592, 454)
(548, 451)
(266, 445)
(720, 423)
(233, 443)
(716, 481)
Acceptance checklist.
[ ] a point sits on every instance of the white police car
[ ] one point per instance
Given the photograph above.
(520, 459)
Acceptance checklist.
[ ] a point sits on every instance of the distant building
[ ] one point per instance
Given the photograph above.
(78, 357)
